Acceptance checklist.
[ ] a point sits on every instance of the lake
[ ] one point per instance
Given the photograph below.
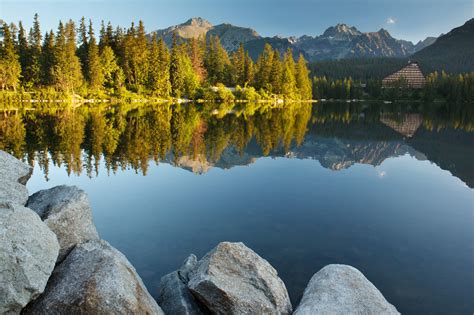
(386, 188)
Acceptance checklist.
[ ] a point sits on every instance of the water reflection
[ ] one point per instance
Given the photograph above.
(198, 137)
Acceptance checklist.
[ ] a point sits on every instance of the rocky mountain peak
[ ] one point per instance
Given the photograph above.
(198, 21)
(341, 29)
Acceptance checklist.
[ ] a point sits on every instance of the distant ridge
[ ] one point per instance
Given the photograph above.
(337, 42)
(453, 52)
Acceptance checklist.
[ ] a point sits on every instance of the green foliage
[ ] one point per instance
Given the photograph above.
(10, 67)
(126, 59)
(66, 70)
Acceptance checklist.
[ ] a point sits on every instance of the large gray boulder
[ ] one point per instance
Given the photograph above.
(342, 289)
(13, 177)
(66, 211)
(94, 278)
(28, 252)
(174, 296)
(233, 279)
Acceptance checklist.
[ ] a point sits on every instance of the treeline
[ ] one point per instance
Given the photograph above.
(446, 87)
(121, 60)
(362, 69)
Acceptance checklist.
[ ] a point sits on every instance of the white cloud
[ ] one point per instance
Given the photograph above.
(391, 20)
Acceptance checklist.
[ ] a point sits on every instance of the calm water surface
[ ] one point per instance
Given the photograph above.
(387, 190)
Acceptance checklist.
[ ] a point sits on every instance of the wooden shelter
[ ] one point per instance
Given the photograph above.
(411, 74)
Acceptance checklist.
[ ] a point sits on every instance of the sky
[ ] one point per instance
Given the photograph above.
(404, 19)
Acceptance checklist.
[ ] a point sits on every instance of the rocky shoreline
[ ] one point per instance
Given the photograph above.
(54, 262)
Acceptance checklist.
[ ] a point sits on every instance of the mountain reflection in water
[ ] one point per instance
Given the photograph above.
(199, 137)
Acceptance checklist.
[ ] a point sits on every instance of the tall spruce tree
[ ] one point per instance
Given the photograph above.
(35, 52)
(24, 56)
(159, 76)
(303, 82)
(94, 69)
(47, 59)
(10, 68)
(176, 69)
(109, 66)
(66, 71)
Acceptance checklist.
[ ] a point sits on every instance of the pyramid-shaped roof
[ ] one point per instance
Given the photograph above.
(411, 73)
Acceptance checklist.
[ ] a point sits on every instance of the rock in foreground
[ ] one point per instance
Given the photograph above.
(66, 211)
(342, 289)
(13, 177)
(233, 279)
(94, 278)
(28, 252)
(174, 296)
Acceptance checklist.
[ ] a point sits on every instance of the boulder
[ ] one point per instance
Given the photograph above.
(233, 279)
(94, 278)
(342, 289)
(66, 211)
(174, 296)
(14, 174)
(28, 252)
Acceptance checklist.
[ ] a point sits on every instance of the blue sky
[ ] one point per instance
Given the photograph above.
(405, 19)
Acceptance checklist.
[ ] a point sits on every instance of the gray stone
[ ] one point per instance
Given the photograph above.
(66, 211)
(342, 289)
(233, 279)
(174, 296)
(94, 278)
(28, 252)
(13, 174)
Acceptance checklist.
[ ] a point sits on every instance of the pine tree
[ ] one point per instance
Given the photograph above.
(159, 76)
(35, 52)
(83, 49)
(303, 82)
(288, 85)
(109, 66)
(249, 69)
(24, 56)
(264, 66)
(276, 73)
(238, 66)
(10, 68)
(176, 70)
(216, 61)
(94, 69)
(141, 56)
(66, 71)
(47, 59)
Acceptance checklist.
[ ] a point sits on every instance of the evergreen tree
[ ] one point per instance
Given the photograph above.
(264, 67)
(109, 66)
(83, 49)
(176, 70)
(24, 56)
(303, 82)
(47, 58)
(35, 52)
(216, 61)
(158, 75)
(66, 71)
(276, 73)
(238, 66)
(10, 68)
(94, 68)
(249, 69)
(141, 56)
(288, 84)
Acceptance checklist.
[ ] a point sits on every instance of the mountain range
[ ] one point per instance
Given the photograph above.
(337, 42)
